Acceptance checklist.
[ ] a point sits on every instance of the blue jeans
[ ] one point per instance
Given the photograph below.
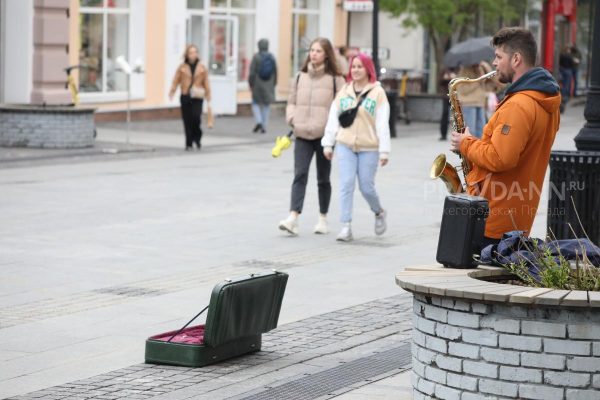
(261, 113)
(474, 118)
(364, 165)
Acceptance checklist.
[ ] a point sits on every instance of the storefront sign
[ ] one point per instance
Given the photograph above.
(383, 53)
(358, 5)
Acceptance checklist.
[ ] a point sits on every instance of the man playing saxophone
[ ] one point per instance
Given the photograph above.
(510, 160)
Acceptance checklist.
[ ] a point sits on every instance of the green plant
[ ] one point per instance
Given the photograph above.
(556, 272)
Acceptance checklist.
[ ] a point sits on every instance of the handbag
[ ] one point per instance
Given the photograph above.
(347, 117)
(210, 119)
(196, 92)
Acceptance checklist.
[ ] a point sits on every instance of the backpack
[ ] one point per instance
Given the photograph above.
(266, 67)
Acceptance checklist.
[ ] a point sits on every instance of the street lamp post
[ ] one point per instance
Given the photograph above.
(575, 209)
(125, 67)
(375, 37)
(588, 137)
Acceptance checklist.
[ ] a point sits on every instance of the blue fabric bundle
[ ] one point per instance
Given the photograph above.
(514, 248)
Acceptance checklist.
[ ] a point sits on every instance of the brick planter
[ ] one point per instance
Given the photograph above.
(46, 126)
(474, 339)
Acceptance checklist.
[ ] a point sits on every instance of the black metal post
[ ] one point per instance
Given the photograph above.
(574, 201)
(588, 138)
(375, 44)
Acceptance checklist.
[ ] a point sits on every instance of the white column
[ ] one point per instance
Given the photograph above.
(18, 55)
(327, 19)
(267, 24)
(176, 16)
(137, 46)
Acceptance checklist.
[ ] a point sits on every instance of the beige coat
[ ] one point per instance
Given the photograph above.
(308, 105)
(183, 78)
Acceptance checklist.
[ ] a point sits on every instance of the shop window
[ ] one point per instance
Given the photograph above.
(104, 36)
(305, 28)
(195, 4)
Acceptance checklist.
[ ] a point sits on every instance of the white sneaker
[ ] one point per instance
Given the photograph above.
(345, 234)
(290, 225)
(380, 224)
(322, 227)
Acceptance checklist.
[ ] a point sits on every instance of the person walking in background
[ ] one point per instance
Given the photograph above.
(446, 76)
(192, 79)
(361, 144)
(473, 98)
(566, 65)
(262, 79)
(311, 95)
(576, 55)
(343, 60)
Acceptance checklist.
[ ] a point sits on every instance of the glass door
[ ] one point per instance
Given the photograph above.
(196, 33)
(222, 62)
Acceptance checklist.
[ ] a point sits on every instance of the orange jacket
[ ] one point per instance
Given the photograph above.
(510, 160)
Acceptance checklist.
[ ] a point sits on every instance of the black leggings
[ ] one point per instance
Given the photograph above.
(303, 154)
(191, 110)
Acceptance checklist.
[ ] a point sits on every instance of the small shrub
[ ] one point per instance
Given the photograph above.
(546, 270)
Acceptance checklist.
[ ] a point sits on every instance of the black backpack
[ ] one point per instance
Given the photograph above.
(266, 67)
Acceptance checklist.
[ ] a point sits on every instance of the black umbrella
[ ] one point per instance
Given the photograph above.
(469, 52)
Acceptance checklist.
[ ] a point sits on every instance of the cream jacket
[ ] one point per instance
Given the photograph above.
(370, 130)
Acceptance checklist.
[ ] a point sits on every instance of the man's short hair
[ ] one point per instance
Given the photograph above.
(517, 40)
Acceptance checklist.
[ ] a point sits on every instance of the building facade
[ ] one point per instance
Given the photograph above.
(39, 39)
(153, 34)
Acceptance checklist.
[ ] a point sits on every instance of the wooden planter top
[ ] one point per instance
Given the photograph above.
(467, 284)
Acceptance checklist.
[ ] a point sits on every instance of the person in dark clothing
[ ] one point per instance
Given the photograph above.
(262, 80)
(566, 65)
(576, 54)
(445, 78)
(192, 78)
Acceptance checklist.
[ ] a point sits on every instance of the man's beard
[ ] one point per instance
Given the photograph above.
(506, 77)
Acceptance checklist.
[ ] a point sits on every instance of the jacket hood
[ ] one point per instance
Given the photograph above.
(537, 79)
(263, 45)
(538, 84)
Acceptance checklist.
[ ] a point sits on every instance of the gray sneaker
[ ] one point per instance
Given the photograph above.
(345, 234)
(380, 224)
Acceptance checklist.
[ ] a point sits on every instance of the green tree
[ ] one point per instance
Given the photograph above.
(450, 21)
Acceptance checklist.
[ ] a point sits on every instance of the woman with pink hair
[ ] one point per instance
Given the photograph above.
(358, 125)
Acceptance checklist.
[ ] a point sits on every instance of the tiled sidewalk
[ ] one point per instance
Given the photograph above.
(320, 357)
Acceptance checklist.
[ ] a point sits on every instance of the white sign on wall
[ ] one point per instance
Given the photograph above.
(358, 5)
(383, 53)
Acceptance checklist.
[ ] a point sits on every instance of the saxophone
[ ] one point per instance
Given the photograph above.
(440, 168)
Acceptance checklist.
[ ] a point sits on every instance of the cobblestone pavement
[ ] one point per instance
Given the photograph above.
(351, 347)
(114, 295)
(100, 252)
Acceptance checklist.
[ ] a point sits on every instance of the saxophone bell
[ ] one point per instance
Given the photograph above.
(440, 168)
(447, 173)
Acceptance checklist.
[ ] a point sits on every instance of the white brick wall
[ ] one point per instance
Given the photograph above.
(476, 351)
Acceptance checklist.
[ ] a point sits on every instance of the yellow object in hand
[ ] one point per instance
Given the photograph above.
(281, 143)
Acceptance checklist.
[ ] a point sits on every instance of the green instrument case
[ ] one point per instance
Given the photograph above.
(239, 312)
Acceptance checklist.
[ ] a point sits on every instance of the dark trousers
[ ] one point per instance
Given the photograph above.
(445, 116)
(191, 111)
(303, 154)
